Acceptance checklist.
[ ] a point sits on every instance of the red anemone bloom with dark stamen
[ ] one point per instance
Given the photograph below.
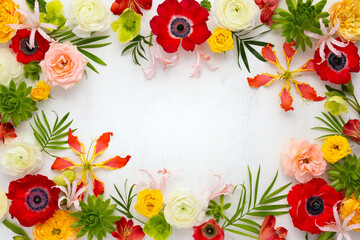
(269, 232)
(352, 129)
(25, 54)
(7, 130)
(183, 22)
(209, 230)
(34, 199)
(119, 6)
(312, 205)
(335, 68)
(127, 231)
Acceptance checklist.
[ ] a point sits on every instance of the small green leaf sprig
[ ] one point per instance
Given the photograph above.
(138, 50)
(95, 218)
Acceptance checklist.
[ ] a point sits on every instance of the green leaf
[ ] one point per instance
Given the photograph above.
(267, 213)
(95, 45)
(254, 52)
(90, 40)
(42, 5)
(92, 56)
(243, 56)
(15, 229)
(247, 228)
(240, 233)
(272, 207)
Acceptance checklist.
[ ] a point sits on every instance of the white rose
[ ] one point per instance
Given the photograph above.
(184, 210)
(10, 68)
(21, 156)
(236, 15)
(89, 16)
(4, 205)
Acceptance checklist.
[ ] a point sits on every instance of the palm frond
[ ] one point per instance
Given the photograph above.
(334, 125)
(137, 48)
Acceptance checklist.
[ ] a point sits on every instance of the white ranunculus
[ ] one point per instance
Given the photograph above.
(236, 15)
(89, 16)
(184, 210)
(21, 156)
(10, 69)
(4, 205)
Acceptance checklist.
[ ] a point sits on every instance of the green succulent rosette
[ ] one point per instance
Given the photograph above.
(127, 26)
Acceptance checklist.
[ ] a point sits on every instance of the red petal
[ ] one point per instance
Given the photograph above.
(188, 44)
(200, 33)
(137, 233)
(307, 92)
(145, 4)
(75, 144)
(192, 10)
(62, 164)
(115, 163)
(169, 44)
(266, 15)
(308, 66)
(118, 7)
(102, 143)
(168, 9)
(98, 186)
(352, 129)
(269, 221)
(260, 80)
(289, 51)
(286, 99)
(269, 54)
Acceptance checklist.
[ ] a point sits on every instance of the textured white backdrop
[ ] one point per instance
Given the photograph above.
(216, 122)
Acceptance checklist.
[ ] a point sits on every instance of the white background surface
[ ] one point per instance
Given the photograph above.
(216, 122)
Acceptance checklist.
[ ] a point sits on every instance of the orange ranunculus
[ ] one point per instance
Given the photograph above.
(8, 15)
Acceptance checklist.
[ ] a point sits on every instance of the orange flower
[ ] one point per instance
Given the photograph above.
(87, 165)
(266, 79)
(8, 15)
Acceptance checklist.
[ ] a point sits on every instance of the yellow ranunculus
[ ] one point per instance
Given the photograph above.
(56, 228)
(348, 12)
(221, 40)
(348, 207)
(335, 148)
(40, 92)
(149, 203)
(8, 16)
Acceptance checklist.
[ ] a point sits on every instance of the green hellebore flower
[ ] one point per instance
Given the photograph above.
(157, 227)
(336, 105)
(54, 13)
(127, 26)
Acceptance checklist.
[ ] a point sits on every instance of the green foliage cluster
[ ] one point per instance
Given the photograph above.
(32, 70)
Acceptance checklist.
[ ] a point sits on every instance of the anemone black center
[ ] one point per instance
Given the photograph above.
(24, 47)
(315, 205)
(336, 62)
(180, 27)
(209, 231)
(37, 199)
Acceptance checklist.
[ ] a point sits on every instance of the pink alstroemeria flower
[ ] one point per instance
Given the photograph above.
(327, 40)
(34, 25)
(220, 188)
(155, 183)
(72, 193)
(341, 229)
(156, 55)
(198, 67)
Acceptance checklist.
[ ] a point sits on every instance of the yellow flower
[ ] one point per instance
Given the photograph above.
(149, 203)
(57, 227)
(348, 207)
(348, 12)
(40, 92)
(8, 16)
(221, 40)
(335, 148)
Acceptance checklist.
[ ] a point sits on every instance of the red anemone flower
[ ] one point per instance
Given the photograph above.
(119, 6)
(183, 22)
(268, 232)
(25, 54)
(352, 129)
(312, 205)
(7, 130)
(209, 230)
(335, 68)
(34, 199)
(127, 231)
(267, 10)
(87, 166)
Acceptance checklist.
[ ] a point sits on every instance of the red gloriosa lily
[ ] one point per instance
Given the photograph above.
(127, 231)
(268, 232)
(119, 6)
(265, 79)
(34, 199)
(7, 130)
(180, 23)
(312, 205)
(20, 46)
(209, 230)
(352, 129)
(87, 164)
(335, 68)
(267, 10)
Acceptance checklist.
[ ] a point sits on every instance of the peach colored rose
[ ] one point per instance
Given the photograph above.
(63, 65)
(302, 160)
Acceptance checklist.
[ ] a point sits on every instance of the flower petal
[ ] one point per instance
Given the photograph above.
(260, 80)
(308, 66)
(308, 92)
(75, 144)
(286, 99)
(352, 129)
(270, 55)
(98, 186)
(114, 163)
(62, 164)
(102, 143)
(289, 51)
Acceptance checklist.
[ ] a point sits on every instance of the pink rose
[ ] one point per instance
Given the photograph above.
(63, 65)
(302, 160)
